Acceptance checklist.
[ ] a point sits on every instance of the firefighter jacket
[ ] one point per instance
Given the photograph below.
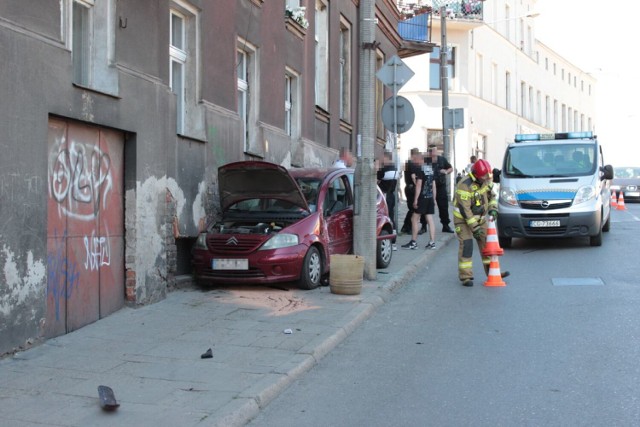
(473, 201)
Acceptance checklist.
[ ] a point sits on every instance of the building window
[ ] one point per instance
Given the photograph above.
(547, 112)
(494, 83)
(531, 109)
(345, 70)
(523, 99)
(434, 68)
(92, 46)
(81, 46)
(178, 58)
(246, 70)
(184, 77)
(291, 104)
(507, 91)
(322, 54)
(479, 76)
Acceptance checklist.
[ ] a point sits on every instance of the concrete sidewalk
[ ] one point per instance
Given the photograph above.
(151, 356)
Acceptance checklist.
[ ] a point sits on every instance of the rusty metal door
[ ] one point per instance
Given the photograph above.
(85, 225)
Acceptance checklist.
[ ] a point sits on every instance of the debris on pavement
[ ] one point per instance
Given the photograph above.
(107, 398)
(207, 354)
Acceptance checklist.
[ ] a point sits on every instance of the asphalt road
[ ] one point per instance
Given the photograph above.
(558, 346)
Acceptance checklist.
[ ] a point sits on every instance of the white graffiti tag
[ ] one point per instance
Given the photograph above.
(98, 252)
(79, 178)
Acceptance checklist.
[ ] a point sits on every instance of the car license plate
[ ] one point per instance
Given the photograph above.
(545, 223)
(230, 264)
(632, 193)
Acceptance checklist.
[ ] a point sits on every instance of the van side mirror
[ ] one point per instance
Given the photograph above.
(607, 172)
(496, 175)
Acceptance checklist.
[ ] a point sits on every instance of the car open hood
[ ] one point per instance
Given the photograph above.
(257, 180)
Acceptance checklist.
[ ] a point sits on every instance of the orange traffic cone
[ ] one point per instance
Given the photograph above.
(493, 246)
(495, 277)
(621, 206)
(614, 201)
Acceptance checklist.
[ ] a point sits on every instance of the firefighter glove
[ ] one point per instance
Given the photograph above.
(478, 233)
(493, 214)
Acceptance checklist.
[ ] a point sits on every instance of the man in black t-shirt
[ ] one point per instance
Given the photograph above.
(387, 176)
(441, 168)
(410, 169)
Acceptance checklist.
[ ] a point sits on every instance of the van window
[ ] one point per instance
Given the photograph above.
(550, 160)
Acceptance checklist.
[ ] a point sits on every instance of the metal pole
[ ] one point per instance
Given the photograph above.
(395, 142)
(444, 84)
(364, 241)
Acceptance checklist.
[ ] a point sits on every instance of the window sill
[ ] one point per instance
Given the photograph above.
(295, 28)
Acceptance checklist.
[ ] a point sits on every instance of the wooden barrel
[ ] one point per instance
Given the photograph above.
(345, 274)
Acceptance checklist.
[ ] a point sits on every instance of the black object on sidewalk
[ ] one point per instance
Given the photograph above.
(107, 398)
(207, 354)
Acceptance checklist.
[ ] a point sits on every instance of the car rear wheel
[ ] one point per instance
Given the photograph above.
(311, 269)
(383, 251)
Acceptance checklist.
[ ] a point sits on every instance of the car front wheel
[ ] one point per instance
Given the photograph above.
(383, 251)
(311, 269)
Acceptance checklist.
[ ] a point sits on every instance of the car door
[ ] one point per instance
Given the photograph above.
(338, 214)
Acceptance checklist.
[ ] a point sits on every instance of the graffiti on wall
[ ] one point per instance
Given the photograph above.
(63, 274)
(79, 175)
(98, 252)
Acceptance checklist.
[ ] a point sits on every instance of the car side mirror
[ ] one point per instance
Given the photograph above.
(607, 172)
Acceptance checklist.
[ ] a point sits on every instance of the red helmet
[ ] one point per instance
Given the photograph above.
(481, 168)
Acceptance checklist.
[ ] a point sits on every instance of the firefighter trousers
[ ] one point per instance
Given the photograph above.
(465, 250)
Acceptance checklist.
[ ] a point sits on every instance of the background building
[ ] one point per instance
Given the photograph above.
(115, 117)
(505, 80)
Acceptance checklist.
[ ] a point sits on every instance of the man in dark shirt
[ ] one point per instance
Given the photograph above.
(387, 176)
(409, 188)
(441, 168)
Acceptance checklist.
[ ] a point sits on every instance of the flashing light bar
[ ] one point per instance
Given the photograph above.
(521, 137)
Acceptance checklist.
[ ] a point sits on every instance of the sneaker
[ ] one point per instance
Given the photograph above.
(394, 247)
(504, 274)
(431, 245)
(411, 245)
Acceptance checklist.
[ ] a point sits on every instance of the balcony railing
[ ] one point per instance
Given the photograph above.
(455, 9)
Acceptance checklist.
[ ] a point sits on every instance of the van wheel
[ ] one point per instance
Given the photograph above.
(383, 251)
(505, 242)
(311, 274)
(607, 225)
(597, 239)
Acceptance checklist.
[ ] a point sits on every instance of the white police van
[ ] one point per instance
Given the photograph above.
(554, 185)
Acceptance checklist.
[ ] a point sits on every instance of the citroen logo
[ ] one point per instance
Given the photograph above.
(544, 204)
(232, 241)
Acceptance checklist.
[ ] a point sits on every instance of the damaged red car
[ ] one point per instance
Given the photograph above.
(282, 225)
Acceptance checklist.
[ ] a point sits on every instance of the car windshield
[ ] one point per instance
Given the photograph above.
(557, 160)
(310, 187)
(626, 172)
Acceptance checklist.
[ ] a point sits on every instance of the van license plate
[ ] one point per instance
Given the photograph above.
(547, 223)
(230, 264)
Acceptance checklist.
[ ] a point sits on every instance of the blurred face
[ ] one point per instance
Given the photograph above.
(432, 152)
(485, 178)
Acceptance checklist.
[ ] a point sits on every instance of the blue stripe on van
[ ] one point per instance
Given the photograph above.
(546, 195)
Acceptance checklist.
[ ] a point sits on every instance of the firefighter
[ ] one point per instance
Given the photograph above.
(474, 202)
